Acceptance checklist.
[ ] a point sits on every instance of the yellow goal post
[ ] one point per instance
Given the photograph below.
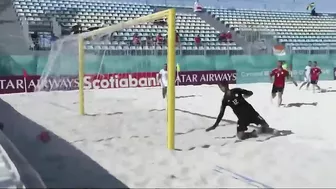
(170, 15)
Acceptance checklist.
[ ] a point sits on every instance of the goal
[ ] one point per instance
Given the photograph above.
(62, 69)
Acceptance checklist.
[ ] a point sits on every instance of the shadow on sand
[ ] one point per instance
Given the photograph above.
(59, 164)
(186, 96)
(99, 114)
(299, 104)
(228, 122)
(328, 91)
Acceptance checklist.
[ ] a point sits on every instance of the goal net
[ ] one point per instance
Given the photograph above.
(106, 58)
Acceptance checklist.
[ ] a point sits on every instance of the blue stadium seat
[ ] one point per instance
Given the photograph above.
(94, 14)
(297, 30)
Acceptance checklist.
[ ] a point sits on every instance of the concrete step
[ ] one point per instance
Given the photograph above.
(240, 41)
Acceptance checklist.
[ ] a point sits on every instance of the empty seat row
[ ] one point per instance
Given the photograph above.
(95, 3)
(276, 21)
(131, 33)
(298, 30)
(204, 40)
(313, 48)
(287, 27)
(274, 17)
(304, 37)
(56, 6)
(34, 9)
(306, 33)
(283, 28)
(44, 42)
(319, 44)
(126, 47)
(113, 43)
(288, 40)
(268, 13)
(271, 25)
(91, 14)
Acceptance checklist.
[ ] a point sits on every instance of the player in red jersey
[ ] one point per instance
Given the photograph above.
(280, 76)
(314, 76)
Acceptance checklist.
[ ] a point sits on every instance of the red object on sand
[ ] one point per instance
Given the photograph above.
(44, 136)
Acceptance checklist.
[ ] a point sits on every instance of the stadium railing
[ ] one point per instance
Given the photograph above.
(321, 49)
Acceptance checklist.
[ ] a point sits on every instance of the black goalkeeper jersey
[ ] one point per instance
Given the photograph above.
(236, 100)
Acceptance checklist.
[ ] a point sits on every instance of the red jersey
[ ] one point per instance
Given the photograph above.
(279, 77)
(159, 38)
(136, 39)
(315, 73)
(177, 37)
(197, 40)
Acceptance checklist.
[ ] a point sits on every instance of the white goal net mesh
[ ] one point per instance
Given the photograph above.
(112, 59)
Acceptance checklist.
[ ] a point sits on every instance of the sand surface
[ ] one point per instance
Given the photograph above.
(124, 137)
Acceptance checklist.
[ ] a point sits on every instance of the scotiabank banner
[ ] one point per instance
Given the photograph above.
(20, 84)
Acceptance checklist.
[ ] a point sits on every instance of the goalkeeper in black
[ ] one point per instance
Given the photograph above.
(235, 98)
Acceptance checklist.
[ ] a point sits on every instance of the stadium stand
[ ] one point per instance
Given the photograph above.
(299, 31)
(95, 14)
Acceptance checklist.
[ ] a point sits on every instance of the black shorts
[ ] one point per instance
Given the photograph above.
(244, 122)
(314, 82)
(164, 91)
(276, 89)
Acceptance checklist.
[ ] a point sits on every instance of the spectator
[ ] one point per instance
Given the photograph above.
(177, 37)
(76, 29)
(159, 39)
(228, 36)
(222, 37)
(197, 40)
(312, 7)
(197, 7)
(136, 39)
(53, 37)
(44, 42)
(35, 39)
(111, 37)
(149, 40)
(34, 35)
